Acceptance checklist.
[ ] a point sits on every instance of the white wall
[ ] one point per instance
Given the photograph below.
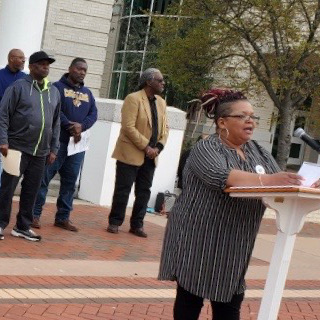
(98, 173)
(21, 26)
(166, 171)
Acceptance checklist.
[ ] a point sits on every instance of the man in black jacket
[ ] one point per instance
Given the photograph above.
(11, 73)
(29, 123)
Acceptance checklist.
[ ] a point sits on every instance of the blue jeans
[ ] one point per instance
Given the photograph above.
(68, 168)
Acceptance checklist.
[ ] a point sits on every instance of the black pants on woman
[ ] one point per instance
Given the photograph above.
(188, 307)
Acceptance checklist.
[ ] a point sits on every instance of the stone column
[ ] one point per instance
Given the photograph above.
(21, 26)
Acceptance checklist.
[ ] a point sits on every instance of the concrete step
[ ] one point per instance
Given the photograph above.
(53, 190)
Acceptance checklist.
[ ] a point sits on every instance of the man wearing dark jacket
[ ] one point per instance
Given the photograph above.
(78, 113)
(29, 123)
(11, 73)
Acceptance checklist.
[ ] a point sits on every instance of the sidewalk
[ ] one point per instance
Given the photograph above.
(93, 274)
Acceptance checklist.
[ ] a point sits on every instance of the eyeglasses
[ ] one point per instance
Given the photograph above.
(244, 117)
(159, 80)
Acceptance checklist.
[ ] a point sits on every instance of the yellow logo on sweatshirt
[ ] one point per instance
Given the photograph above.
(76, 96)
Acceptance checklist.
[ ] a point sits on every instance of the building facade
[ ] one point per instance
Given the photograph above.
(114, 37)
(70, 29)
(134, 46)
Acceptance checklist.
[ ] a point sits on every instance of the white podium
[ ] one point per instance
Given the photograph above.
(291, 204)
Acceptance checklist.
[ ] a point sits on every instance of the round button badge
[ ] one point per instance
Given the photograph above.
(260, 169)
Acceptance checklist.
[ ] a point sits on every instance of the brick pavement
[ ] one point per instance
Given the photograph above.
(91, 243)
(94, 243)
(90, 297)
(128, 307)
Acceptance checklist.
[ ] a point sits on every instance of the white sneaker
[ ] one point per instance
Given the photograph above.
(1, 234)
(26, 234)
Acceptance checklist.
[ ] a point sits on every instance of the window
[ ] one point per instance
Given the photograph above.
(113, 94)
(141, 6)
(132, 62)
(118, 61)
(134, 51)
(137, 33)
(123, 34)
(160, 6)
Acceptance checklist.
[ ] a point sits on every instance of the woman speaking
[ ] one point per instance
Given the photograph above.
(210, 236)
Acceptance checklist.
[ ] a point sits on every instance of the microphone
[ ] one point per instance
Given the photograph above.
(311, 142)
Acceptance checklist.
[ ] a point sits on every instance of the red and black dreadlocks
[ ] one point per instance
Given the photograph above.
(212, 99)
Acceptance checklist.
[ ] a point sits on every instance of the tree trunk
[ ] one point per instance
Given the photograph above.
(284, 140)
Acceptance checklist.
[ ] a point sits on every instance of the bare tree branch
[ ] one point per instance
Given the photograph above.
(315, 24)
(265, 82)
(247, 36)
(314, 27)
(274, 32)
(306, 14)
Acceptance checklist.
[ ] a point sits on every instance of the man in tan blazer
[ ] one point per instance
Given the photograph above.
(143, 135)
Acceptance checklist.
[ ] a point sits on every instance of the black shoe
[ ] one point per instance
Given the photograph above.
(113, 228)
(138, 232)
(26, 234)
(1, 234)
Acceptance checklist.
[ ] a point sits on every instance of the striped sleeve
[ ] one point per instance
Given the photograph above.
(209, 165)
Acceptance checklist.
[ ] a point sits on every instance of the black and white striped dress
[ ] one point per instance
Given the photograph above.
(210, 236)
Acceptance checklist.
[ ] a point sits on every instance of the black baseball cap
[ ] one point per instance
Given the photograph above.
(39, 56)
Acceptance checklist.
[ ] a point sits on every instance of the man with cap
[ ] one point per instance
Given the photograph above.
(29, 123)
(11, 73)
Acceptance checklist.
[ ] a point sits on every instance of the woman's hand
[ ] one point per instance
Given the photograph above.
(316, 184)
(281, 179)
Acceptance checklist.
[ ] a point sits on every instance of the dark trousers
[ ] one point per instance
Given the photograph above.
(126, 175)
(188, 307)
(69, 169)
(32, 170)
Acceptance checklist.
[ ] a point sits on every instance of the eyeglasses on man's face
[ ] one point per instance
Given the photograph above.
(244, 117)
(160, 80)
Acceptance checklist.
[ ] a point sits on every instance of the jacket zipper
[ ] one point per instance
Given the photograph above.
(42, 125)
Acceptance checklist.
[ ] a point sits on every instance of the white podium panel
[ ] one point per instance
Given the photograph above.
(291, 204)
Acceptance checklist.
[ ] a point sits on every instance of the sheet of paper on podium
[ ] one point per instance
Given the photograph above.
(310, 172)
(11, 163)
(82, 145)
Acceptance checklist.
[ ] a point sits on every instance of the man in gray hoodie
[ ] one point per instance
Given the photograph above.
(29, 123)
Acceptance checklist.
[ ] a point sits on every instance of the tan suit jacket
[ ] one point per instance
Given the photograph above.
(136, 128)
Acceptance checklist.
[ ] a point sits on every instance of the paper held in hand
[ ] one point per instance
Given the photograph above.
(310, 172)
(11, 163)
(82, 145)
